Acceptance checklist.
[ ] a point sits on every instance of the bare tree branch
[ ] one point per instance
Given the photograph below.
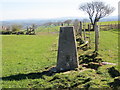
(96, 10)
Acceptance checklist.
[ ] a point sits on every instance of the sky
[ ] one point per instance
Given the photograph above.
(46, 9)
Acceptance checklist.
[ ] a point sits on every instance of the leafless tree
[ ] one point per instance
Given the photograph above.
(96, 10)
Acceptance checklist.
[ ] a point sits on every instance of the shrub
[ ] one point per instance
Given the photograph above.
(5, 32)
(16, 27)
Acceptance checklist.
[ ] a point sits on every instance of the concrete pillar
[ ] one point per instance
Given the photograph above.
(67, 58)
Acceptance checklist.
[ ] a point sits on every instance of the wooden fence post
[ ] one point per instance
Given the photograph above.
(111, 26)
(89, 28)
(27, 29)
(33, 29)
(80, 29)
(84, 34)
(96, 37)
(62, 24)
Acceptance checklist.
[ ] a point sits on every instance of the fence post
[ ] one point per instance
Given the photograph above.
(89, 28)
(33, 28)
(62, 24)
(27, 28)
(84, 31)
(96, 37)
(80, 29)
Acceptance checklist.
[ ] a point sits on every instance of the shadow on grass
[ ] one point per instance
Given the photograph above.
(90, 61)
(92, 66)
(28, 76)
(115, 84)
(113, 72)
(116, 75)
(89, 58)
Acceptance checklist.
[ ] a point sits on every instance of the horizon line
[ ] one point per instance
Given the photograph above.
(53, 18)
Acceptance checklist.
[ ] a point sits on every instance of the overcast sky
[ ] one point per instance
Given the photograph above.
(45, 9)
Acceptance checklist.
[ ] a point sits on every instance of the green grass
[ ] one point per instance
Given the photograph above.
(56, 28)
(25, 59)
(108, 45)
(26, 54)
(108, 23)
(47, 29)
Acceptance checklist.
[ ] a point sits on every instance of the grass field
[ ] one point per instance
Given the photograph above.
(47, 29)
(108, 22)
(108, 45)
(26, 54)
(25, 59)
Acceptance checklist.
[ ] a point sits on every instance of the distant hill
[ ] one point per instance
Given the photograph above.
(26, 22)
(110, 18)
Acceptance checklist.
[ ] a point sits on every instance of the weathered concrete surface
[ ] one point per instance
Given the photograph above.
(67, 53)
